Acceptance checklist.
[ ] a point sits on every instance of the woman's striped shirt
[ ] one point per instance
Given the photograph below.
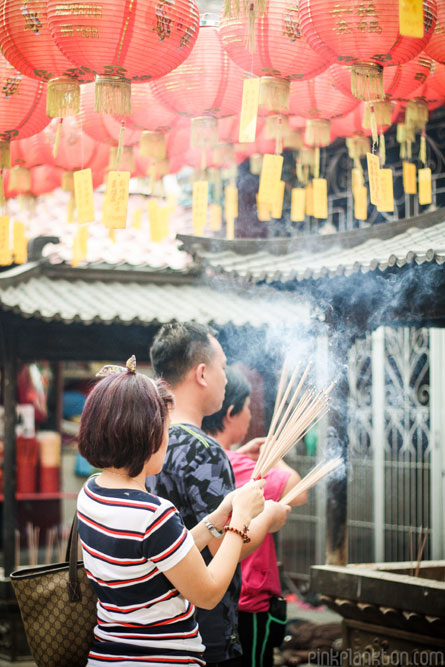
(129, 538)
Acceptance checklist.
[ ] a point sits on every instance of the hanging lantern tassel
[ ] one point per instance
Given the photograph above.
(203, 160)
(5, 155)
(152, 145)
(120, 145)
(382, 112)
(416, 115)
(20, 180)
(276, 127)
(2, 190)
(252, 8)
(317, 162)
(300, 173)
(113, 95)
(274, 94)
(318, 132)
(367, 82)
(373, 124)
(382, 149)
(57, 139)
(422, 152)
(204, 132)
(63, 97)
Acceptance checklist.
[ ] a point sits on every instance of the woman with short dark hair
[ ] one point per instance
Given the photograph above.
(143, 563)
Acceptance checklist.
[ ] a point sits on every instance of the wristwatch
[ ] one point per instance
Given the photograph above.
(215, 532)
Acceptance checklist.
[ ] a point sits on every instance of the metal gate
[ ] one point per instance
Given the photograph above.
(396, 469)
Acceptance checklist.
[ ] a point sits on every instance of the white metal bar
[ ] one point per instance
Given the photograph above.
(322, 380)
(378, 439)
(437, 407)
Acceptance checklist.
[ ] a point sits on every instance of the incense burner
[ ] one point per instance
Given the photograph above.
(390, 616)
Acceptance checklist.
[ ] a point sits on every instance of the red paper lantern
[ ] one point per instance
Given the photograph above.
(435, 48)
(207, 84)
(364, 36)
(399, 81)
(104, 127)
(75, 149)
(151, 118)
(319, 100)
(22, 108)
(42, 180)
(31, 152)
(179, 151)
(279, 48)
(123, 42)
(26, 42)
(437, 78)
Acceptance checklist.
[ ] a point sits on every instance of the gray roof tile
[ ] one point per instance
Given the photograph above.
(147, 303)
(413, 245)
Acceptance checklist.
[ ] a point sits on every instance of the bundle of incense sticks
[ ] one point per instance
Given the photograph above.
(290, 424)
(319, 472)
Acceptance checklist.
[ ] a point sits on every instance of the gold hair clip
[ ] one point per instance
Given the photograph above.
(111, 369)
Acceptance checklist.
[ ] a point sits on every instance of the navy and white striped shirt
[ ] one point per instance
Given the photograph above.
(129, 538)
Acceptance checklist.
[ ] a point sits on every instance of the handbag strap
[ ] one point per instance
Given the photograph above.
(74, 592)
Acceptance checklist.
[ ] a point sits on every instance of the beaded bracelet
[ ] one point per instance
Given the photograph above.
(241, 533)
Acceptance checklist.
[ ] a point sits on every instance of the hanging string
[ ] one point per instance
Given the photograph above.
(422, 151)
(120, 145)
(382, 149)
(317, 162)
(57, 139)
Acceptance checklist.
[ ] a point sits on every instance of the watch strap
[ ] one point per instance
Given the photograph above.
(214, 531)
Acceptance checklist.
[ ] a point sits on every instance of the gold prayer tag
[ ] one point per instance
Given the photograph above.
(277, 203)
(83, 190)
(215, 217)
(320, 193)
(411, 18)
(373, 176)
(231, 202)
(309, 199)
(386, 191)
(19, 243)
(270, 177)
(361, 203)
(5, 249)
(297, 204)
(425, 187)
(409, 178)
(116, 200)
(249, 110)
(199, 206)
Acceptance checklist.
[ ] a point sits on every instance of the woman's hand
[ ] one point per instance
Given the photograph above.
(277, 514)
(248, 501)
(252, 448)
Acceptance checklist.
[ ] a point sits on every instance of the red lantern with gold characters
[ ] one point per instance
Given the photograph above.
(22, 108)
(27, 43)
(207, 86)
(436, 46)
(365, 36)
(319, 100)
(124, 42)
(279, 48)
(270, 44)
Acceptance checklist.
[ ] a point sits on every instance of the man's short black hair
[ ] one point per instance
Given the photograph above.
(178, 347)
(237, 390)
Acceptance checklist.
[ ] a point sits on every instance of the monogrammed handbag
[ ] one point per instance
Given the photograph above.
(58, 608)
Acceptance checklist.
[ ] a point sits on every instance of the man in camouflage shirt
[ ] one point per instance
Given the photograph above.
(197, 474)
